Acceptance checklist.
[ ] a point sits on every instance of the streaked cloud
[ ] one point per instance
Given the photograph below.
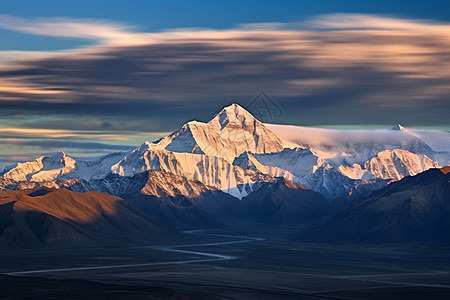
(333, 69)
(10, 57)
(110, 136)
(17, 88)
(58, 133)
(60, 144)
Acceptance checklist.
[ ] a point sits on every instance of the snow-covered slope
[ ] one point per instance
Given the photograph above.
(212, 171)
(98, 168)
(396, 164)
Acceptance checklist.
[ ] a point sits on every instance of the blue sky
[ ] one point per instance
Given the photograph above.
(93, 77)
(147, 15)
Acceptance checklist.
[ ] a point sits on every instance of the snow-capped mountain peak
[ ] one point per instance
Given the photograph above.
(235, 115)
(227, 135)
(44, 168)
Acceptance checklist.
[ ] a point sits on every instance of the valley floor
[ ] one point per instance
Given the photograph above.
(258, 263)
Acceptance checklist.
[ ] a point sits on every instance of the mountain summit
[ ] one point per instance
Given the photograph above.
(227, 135)
(42, 169)
(233, 114)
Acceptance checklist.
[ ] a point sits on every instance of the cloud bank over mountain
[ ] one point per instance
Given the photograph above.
(438, 140)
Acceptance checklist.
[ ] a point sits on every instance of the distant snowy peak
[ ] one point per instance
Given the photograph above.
(396, 164)
(227, 135)
(44, 168)
(398, 127)
(409, 133)
(390, 164)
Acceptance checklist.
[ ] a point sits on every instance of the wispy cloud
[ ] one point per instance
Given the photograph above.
(374, 22)
(102, 31)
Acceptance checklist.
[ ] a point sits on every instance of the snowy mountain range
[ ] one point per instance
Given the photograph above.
(237, 154)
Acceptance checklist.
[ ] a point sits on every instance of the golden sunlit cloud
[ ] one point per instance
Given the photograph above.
(56, 133)
(8, 86)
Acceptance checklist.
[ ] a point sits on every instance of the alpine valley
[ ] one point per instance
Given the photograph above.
(231, 170)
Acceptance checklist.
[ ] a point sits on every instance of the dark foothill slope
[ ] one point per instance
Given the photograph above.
(415, 209)
(65, 218)
(284, 201)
